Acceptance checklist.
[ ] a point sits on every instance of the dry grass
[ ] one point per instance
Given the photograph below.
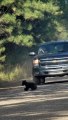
(17, 72)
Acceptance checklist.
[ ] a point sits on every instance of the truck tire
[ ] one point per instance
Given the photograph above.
(39, 80)
(36, 79)
(42, 80)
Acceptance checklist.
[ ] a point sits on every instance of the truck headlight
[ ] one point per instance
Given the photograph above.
(36, 62)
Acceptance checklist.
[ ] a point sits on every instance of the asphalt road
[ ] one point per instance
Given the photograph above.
(48, 102)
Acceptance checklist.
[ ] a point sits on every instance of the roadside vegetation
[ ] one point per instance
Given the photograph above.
(23, 25)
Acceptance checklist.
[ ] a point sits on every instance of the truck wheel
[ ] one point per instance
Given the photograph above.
(36, 80)
(42, 80)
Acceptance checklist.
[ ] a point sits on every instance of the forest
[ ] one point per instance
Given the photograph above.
(23, 25)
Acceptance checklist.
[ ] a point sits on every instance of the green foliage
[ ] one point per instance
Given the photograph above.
(26, 40)
(6, 2)
(2, 55)
(29, 22)
(7, 18)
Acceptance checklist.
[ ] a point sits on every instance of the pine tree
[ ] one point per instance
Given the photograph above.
(2, 47)
(28, 22)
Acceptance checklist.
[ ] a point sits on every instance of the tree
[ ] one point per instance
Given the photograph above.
(28, 22)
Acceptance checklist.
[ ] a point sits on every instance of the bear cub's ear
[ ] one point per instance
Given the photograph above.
(23, 82)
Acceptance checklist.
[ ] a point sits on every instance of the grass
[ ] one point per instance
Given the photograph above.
(17, 72)
(10, 75)
(18, 63)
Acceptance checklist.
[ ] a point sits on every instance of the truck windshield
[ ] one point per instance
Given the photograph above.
(53, 48)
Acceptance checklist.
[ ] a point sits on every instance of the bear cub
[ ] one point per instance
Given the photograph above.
(29, 85)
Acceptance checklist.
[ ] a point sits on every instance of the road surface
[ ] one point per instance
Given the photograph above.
(48, 102)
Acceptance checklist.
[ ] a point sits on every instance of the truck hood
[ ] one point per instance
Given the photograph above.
(53, 56)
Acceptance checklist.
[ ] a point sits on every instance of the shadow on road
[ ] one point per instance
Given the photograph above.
(9, 84)
(54, 82)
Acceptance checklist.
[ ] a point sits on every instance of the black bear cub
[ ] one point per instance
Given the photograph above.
(29, 85)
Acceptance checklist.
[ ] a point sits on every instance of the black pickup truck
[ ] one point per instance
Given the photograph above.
(50, 60)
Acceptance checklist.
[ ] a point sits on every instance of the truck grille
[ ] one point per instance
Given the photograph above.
(54, 62)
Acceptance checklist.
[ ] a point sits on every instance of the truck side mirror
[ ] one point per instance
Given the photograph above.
(32, 54)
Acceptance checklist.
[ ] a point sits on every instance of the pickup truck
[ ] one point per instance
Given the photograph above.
(50, 60)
